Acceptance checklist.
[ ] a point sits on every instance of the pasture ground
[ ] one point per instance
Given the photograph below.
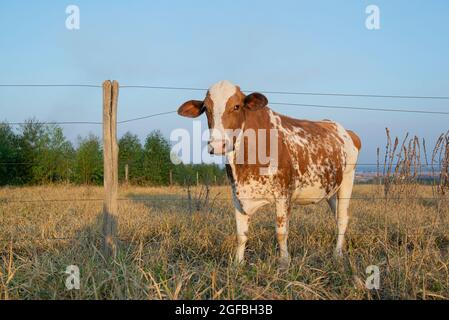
(170, 252)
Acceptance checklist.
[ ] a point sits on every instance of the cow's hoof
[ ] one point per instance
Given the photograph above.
(284, 263)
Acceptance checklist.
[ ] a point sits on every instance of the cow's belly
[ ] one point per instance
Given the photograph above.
(250, 206)
(309, 194)
(253, 195)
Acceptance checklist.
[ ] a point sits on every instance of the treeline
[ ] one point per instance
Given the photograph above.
(39, 153)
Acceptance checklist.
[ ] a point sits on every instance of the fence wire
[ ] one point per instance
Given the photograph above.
(333, 94)
(169, 198)
(341, 107)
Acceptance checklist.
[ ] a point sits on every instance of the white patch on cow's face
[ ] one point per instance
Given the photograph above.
(220, 94)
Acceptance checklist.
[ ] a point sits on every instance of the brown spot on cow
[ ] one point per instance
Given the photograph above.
(280, 220)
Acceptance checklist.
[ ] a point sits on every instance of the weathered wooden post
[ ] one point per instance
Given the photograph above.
(171, 177)
(110, 152)
(197, 179)
(126, 174)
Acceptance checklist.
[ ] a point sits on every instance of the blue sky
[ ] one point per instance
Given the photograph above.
(318, 46)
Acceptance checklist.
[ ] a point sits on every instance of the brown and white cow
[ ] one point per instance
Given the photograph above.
(315, 160)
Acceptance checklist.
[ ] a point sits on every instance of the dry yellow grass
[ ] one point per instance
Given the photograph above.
(166, 252)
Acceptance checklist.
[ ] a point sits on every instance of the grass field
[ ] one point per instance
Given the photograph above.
(170, 252)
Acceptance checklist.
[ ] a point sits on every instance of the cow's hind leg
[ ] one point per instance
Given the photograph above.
(332, 201)
(344, 196)
(242, 221)
(282, 215)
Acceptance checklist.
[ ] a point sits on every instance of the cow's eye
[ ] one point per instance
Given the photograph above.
(236, 107)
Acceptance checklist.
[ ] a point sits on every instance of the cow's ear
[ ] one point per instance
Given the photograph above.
(191, 109)
(255, 101)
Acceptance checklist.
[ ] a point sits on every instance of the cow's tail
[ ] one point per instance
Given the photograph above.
(355, 139)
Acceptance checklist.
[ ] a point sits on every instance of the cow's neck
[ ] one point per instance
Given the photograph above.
(259, 119)
(254, 120)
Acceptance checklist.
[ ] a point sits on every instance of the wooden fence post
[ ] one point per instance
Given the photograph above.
(126, 174)
(110, 151)
(171, 177)
(197, 179)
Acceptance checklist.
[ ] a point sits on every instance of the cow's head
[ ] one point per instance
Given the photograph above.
(226, 108)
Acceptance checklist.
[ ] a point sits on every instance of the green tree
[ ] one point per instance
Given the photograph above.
(156, 159)
(207, 173)
(54, 157)
(89, 161)
(32, 132)
(130, 153)
(11, 163)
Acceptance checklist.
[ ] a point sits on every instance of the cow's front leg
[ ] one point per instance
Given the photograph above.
(242, 221)
(282, 215)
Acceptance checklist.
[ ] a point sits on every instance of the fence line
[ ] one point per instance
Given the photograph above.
(109, 235)
(318, 106)
(146, 117)
(359, 108)
(89, 122)
(50, 85)
(335, 94)
(435, 165)
(98, 237)
(42, 239)
(6, 201)
(54, 123)
(340, 107)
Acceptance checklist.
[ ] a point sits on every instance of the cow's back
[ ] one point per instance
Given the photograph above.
(320, 153)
